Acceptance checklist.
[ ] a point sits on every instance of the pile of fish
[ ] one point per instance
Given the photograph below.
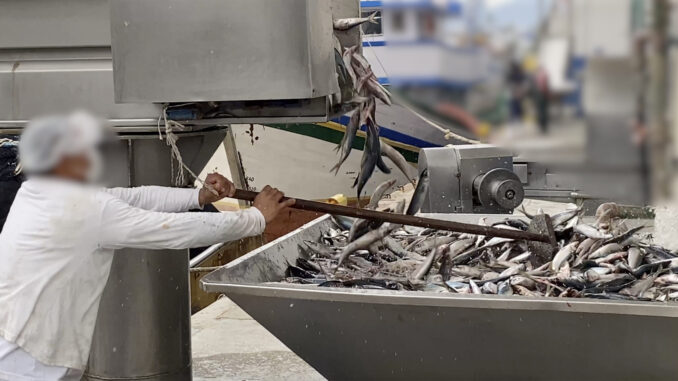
(605, 259)
(360, 91)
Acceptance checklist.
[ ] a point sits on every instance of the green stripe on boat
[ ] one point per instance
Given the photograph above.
(334, 135)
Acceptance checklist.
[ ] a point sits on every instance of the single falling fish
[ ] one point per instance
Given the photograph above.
(419, 194)
(347, 57)
(398, 159)
(371, 156)
(348, 23)
(346, 144)
(379, 192)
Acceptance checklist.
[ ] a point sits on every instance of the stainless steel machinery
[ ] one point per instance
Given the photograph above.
(247, 61)
(357, 334)
(470, 179)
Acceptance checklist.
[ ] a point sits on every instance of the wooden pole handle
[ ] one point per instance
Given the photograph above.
(402, 219)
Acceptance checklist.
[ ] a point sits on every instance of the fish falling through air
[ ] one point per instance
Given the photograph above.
(353, 68)
(352, 22)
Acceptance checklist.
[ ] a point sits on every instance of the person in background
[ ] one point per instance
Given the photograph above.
(516, 80)
(542, 98)
(10, 175)
(61, 234)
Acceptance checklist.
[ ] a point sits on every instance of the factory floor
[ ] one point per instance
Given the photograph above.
(228, 345)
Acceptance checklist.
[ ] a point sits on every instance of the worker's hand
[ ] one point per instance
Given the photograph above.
(268, 202)
(216, 187)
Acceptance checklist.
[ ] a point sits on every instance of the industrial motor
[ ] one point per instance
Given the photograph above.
(470, 179)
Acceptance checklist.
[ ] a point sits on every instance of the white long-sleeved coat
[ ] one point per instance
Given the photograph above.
(57, 246)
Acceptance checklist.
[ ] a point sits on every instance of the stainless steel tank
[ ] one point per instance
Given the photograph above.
(143, 328)
(352, 334)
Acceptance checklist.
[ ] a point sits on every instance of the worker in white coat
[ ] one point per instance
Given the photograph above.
(58, 243)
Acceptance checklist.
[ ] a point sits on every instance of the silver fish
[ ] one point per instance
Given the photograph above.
(489, 288)
(591, 232)
(398, 250)
(563, 217)
(504, 288)
(639, 286)
(522, 281)
(399, 160)
(466, 271)
(352, 22)
(458, 247)
(358, 99)
(612, 257)
(366, 76)
(420, 193)
(605, 250)
(513, 270)
(379, 192)
(365, 241)
(431, 242)
(360, 227)
(379, 91)
(563, 255)
(496, 241)
(346, 144)
(504, 255)
(347, 57)
(521, 258)
(459, 287)
(667, 279)
(371, 155)
(524, 291)
(585, 245)
(474, 287)
(425, 267)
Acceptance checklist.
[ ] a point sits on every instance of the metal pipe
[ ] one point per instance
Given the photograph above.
(404, 219)
(205, 254)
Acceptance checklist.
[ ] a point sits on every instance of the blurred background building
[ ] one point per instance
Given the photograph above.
(584, 87)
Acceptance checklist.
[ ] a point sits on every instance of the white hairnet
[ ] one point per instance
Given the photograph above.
(46, 141)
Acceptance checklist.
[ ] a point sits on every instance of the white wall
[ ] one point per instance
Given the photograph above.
(602, 28)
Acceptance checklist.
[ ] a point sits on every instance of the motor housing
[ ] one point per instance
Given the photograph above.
(476, 178)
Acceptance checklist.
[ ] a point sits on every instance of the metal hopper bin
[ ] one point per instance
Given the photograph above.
(351, 334)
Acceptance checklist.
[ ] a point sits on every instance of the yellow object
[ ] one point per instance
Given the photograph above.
(483, 129)
(530, 63)
(338, 199)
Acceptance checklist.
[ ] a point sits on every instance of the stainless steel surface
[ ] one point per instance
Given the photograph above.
(143, 326)
(47, 23)
(214, 50)
(34, 87)
(466, 179)
(55, 57)
(370, 334)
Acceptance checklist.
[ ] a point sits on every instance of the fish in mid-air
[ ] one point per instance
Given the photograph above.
(352, 22)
